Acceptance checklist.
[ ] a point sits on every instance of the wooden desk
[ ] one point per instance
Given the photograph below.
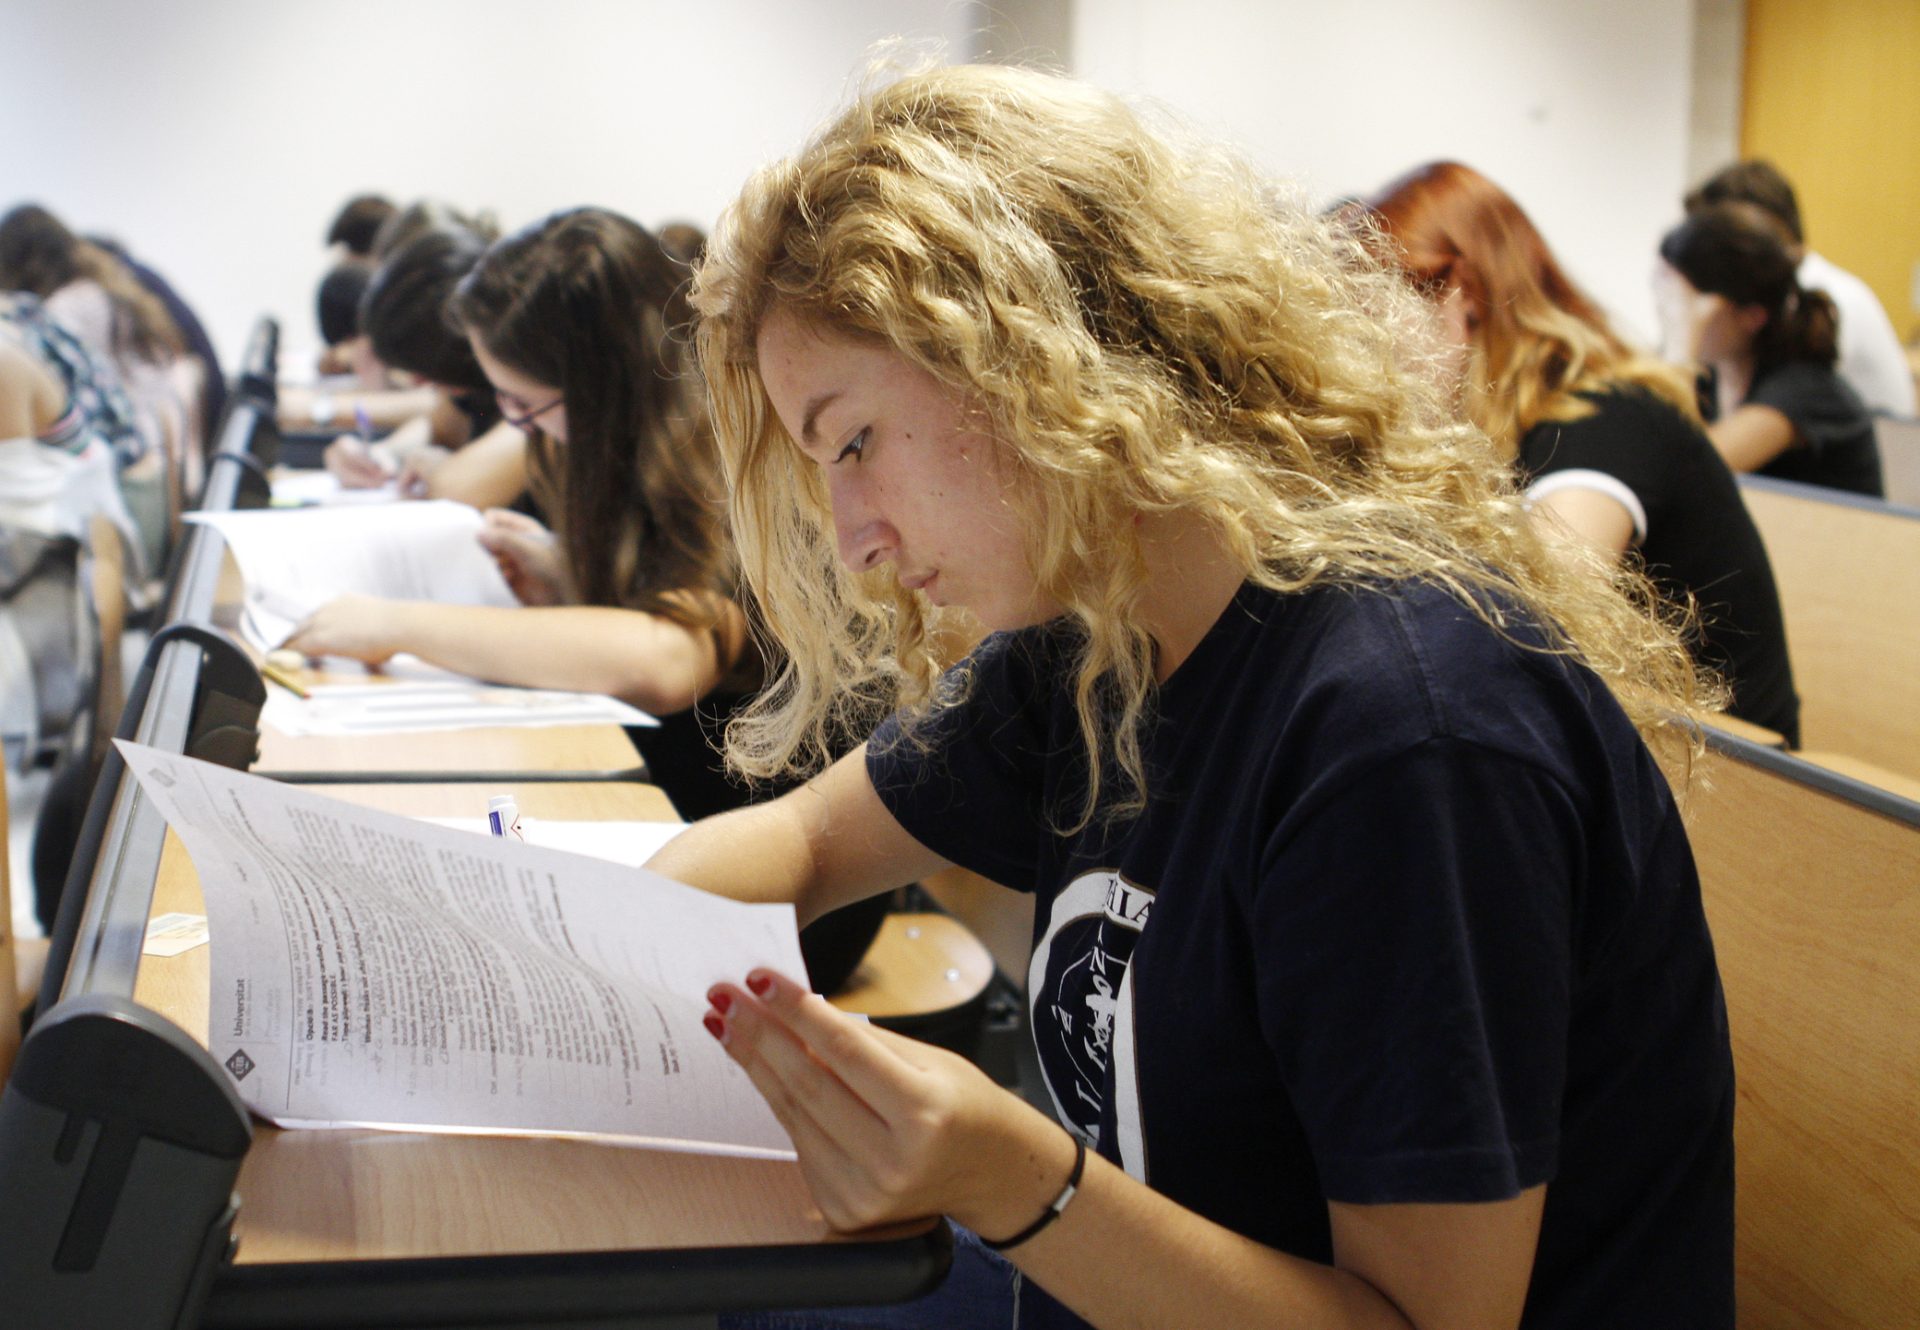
(318, 1206)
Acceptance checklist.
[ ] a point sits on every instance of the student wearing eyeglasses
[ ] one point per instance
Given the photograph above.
(577, 326)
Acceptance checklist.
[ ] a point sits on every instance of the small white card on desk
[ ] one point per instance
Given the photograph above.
(172, 934)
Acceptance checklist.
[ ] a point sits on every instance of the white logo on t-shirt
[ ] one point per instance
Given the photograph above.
(1081, 988)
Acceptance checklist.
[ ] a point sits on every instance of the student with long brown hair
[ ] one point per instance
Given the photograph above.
(1606, 439)
(462, 449)
(577, 323)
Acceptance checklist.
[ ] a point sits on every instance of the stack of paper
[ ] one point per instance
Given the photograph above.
(301, 489)
(296, 560)
(372, 970)
(453, 702)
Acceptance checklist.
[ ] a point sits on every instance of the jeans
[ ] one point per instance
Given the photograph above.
(981, 1292)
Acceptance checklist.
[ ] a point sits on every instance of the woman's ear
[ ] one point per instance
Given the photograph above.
(1750, 319)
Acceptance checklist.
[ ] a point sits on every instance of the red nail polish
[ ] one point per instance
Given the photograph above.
(761, 984)
(721, 999)
(715, 1026)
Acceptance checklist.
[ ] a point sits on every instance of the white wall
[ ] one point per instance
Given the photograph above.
(1578, 108)
(217, 136)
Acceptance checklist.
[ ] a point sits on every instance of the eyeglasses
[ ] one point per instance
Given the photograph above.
(525, 419)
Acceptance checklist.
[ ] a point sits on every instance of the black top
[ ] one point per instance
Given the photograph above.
(1692, 530)
(1833, 441)
(1410, 917)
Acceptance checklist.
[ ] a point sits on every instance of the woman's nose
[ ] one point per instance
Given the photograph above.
(865, 538)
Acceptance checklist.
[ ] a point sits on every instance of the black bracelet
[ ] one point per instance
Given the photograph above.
(1052, 1212)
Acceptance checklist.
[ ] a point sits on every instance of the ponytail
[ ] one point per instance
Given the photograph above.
(1805, 327)
(1739, 251)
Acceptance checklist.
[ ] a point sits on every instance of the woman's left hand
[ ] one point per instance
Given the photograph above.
(528, 556)
(888, 1128)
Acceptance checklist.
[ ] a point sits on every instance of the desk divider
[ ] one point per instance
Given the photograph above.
(120, 1140)
(1811, 882)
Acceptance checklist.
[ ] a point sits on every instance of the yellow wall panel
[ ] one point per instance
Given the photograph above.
(1833, 99)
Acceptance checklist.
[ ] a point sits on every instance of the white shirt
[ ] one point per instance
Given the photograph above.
(1872, 360)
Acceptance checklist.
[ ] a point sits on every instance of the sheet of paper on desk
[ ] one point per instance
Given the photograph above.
(295, 560)
(376, 970)
(293, 489)
(630, 843)
(451, 702)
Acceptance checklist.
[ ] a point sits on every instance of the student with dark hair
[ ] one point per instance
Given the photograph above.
(404, 316)
(93, 294)
(1871, 358)
(213, 397)
(337, 303)
(1777, 406)
(61, 414)
(403, 312)
(372, 401)
(40, 255)
(422, 216)
(1607, 440)
(358, 221)
(577, 324)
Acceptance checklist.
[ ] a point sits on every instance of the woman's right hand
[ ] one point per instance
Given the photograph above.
(528, 555)
(356, 464)
(364, 628)
(415, 477)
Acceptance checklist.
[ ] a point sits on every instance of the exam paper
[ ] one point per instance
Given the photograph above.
(453, 702)
(296, 560)
(630, 843)
(372, 970)
(294, 489)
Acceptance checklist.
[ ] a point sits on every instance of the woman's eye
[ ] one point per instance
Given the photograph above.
(855, 446)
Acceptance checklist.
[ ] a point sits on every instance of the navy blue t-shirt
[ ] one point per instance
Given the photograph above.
(1410, 916)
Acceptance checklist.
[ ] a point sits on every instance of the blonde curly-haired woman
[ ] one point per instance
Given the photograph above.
(1370, 977)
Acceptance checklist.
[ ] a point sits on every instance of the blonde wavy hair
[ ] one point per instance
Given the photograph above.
(1539, 343)
(1145, 328)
